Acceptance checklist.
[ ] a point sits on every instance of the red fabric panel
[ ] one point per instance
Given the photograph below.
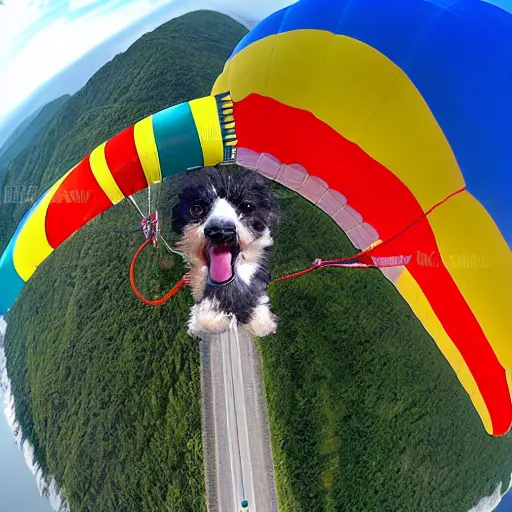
(296, 136)
(124, 163)
(78, 200)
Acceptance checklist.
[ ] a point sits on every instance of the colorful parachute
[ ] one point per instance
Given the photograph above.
(394, 117)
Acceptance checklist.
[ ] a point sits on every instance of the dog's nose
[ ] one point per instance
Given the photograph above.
(221, 232)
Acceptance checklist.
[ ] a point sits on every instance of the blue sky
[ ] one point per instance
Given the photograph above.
(504, 4)
(40, 38)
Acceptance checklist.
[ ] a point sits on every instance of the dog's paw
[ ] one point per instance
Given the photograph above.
(263, 322)
(205, 318)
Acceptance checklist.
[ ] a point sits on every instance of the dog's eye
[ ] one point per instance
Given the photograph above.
(196, 210)
(247, 207)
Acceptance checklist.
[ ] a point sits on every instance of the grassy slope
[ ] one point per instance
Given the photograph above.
(177, 62)
(366, 414)
(108, 389)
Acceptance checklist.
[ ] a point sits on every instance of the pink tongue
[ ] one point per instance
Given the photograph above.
(220, 264)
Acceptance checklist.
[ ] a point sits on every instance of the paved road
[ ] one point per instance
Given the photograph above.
(238, 458)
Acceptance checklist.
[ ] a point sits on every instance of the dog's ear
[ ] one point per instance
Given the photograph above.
(178, 222)
(275, 217)
(273, 203)
(264, 185)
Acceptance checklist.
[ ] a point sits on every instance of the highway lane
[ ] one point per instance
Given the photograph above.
(238, 458)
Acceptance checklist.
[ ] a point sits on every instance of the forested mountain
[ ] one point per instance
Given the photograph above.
(178, 61)
(366, 414)
(108, 389)
(18, 130)
(27, 132)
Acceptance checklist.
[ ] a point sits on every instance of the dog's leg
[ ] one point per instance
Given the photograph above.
(263, 321)
(207, 318)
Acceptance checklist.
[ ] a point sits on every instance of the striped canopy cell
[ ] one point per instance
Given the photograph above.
(186, 136)
(395, 118)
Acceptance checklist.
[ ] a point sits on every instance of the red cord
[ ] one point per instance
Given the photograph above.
(351, 261)
(329, 263)
(157, 302)
(317, 264)
(296, 274)
(342, 262)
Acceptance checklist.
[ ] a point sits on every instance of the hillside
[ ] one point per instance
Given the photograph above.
(101, 381)
(28, 131)
(366, 414)
(18, 130)
(176, 62)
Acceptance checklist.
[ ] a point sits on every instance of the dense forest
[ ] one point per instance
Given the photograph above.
(108, 389)
(28, 130)
(177, 62)
(365, 413)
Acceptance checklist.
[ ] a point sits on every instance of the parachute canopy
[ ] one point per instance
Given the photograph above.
(394, 117)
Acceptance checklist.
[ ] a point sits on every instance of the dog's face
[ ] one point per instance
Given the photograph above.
(225, 220)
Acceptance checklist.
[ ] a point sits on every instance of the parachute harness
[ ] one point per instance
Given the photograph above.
(318, 263)
(151, 229)
(150, 225)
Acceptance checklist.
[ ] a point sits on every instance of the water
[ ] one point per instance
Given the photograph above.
(506, 503)
(18, 487)
(22, 483)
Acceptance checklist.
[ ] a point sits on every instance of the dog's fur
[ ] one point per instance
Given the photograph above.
(243, 201)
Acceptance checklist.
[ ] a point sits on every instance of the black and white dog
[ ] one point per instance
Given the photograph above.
(225, 219)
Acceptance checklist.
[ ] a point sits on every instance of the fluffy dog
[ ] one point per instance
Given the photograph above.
(225, 221)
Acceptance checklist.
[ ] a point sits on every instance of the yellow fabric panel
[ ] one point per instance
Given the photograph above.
(361, 94)
(480, 262)
(311, 82)
(405, 137)
(509, 381)
(222, 82)
(103, 175)
(32, 246)
(246, 74)
(147, 150)
(412, 293)
(204, 112)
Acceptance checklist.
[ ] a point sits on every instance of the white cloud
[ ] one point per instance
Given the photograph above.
(40, 38)
(16, 16)
(56, 45)
(490, 503)
(78, 4)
